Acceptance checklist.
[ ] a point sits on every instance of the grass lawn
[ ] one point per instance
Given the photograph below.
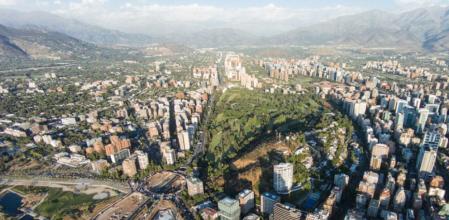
(59, 204)
(2, 187)
(29, 189)
(304, 81)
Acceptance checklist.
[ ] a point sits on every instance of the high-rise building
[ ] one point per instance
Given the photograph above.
(379, 154)
(129, 167)
(194, 186)
(416, 102)
(392, 104)
(229, 209)
(285, 212)
(422, 119)
(267, 201)
(331, 200)
(338, 191)
(373, 208)
(384, 198)
(393, 162)
(168, 153)
(431, 139)
(120, 156)
(443, 114)
(246, 200)
(142, 159)
(283, 177)
(417, 201)
(355, 214)
(426, 162)
(399, 200)
(428, 153)
(341, 180)
(357, 108)
(361, 200)
(431, 98)
(251, 216)
(400, 105)
(184, 140)
(153, 131)
(170, 156)
(233, 66)
(399, 121)
(410, 116)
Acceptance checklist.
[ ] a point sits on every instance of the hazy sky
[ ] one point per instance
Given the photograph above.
(166, 16)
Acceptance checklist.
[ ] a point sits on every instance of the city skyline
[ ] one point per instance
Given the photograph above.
(224, 110)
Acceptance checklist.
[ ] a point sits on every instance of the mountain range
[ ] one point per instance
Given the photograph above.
(424, 28)
(217, 37)
(41, 44)
(85, 32)
(41, 34)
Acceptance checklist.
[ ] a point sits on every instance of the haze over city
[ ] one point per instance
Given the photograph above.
(166, 17)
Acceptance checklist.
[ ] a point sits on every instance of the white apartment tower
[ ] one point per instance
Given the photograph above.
(283, 177)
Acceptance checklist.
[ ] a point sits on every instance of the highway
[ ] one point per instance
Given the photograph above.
(57, 182)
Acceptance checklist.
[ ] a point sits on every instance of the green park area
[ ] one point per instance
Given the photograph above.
(59, 204)
(248, 133)
(243, 116)
(243, 120)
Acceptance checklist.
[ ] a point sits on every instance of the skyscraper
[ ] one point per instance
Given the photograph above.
(373, 208)
(431, 139)
(229, 209)
(409, 116)
(426, 161)
(267, 201)
(184, 140)
(357, 108)
(399, 122)
(399, 200)
(416, 102)
(422, 119)
(428, 153)
(443, 115)
(246, 200)
(283, 177)
(400, 105)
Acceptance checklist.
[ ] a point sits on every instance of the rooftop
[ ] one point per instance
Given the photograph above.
(270, 195)
(228, 201)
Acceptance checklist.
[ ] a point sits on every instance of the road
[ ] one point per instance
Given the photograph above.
(53, 182)
(174, 197)
(38, 68)
(199, 147)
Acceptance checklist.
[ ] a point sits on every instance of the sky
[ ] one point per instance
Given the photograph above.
(261, 17)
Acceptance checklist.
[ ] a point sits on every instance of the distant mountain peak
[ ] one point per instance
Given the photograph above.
(72, 27)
